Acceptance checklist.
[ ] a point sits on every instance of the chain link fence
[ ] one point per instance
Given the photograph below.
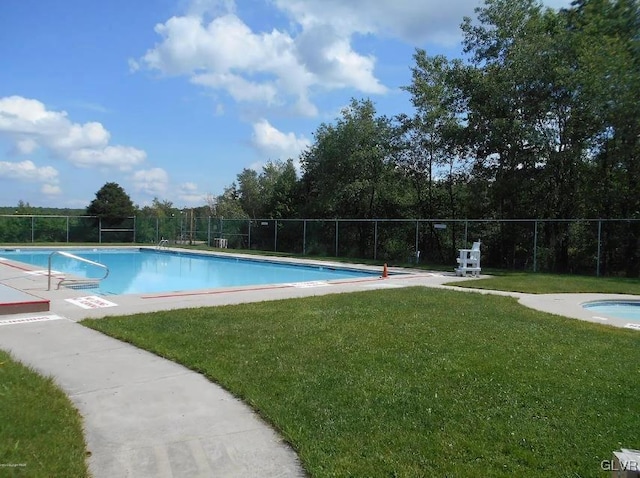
(579, 246)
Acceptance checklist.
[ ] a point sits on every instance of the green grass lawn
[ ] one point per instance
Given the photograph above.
(415, 382)
(40, 430)
(536, 283)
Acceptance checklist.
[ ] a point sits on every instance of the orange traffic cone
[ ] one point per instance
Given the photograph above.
(385, 272)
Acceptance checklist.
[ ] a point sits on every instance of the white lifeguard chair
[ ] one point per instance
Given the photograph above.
(469, 261)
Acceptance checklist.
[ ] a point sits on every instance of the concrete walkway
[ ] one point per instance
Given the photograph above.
(145, 416)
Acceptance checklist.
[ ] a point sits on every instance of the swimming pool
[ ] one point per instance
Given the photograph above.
(621, 309)
(144, 271)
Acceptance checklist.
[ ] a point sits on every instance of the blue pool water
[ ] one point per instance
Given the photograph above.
(622, 309)
(143, 271)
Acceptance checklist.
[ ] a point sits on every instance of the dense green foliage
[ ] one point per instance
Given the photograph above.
(111, 203)
(41, 433)
(414, 382)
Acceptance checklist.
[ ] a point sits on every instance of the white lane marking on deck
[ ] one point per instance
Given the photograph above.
(200, 458)
(632, 326)
(163, 464)
(599, 318)
(382, 285)
(28, 320)
(91, 302)
(306, 285)
(44, 272)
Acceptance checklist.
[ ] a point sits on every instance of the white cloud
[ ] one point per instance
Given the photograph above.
(188, 192)
(414, 22)
(27, 171)
(51, 190)
(123, 158)
(26, 145)
(411, 21)
(153, 181)
(273, 68)
(30, 125)
(275, 144)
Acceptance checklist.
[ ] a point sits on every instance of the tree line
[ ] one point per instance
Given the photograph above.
(540, 119)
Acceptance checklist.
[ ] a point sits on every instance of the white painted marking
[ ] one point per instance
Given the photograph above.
(307, 285)
(200, 458)
(632, 326)
(163, 464)
(381, 285)
(28, 320)
(91, 302)
(44, 272)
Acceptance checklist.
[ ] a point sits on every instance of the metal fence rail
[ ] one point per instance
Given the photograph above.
(586, 246)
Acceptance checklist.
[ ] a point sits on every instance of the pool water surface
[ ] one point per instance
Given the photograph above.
(621, 309)
(143, 271)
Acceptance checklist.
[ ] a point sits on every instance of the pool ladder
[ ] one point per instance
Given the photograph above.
(164, 243)
(84, 282)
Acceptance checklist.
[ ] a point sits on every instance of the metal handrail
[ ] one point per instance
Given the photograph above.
(163, 242)
(82, 259)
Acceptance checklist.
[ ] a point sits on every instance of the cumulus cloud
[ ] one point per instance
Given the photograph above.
(51, 190)
(213, 46)
(408, 20)
(275, 144)
(27, 171)
(30, 126)
(152, 181)
(217, 49)
(188, 192)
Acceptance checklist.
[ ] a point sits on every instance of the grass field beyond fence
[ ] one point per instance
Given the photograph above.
(415, 382)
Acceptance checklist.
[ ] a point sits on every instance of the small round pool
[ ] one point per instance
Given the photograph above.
(621, 309)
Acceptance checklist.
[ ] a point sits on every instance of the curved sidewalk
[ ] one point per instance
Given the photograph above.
(145, 416)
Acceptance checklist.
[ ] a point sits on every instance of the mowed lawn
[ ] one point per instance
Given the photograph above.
(538, 283)
(415, 382)
(40, 429)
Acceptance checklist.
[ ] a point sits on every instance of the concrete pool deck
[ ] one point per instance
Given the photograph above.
(145, 416)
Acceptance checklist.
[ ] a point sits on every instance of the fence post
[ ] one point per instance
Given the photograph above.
(375, 240)
(249, 235)
(599, 239)
(99, 230)
(157, 229)
(67, 229)
(304, 237)
(134, 228)
(275, 235)
(466, 230)
(33, 226)
(535, 246)
(209, 231)
(417, 245)
(336, 238)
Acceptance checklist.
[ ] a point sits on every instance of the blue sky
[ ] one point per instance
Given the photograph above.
(174, 98)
